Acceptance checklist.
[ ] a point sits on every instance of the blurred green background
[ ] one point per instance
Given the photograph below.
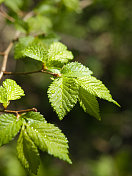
(99, 33)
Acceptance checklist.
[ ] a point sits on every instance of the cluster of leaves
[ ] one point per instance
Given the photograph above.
(74, 81)
(35, 132)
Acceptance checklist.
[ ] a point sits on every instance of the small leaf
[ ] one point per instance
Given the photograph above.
(46, 136)
(36, 51)
(9, 127)
(63, 95)
(14, 91)
(20, 46)
(39, 24)
(33, 117)
(58, 54)
(27, 152)
(15, 5)
(96, 87)
(75, 69)
(89, 103)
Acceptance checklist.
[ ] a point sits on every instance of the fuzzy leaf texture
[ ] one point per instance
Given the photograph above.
(63, 95)
(96, 88)
(89, 103)
(9, 127)
(75, 69)
(27, 152)
(46, 136)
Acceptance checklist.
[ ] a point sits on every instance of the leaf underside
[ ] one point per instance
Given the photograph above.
(89, 103)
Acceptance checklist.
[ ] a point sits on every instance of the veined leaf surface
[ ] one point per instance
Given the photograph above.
(9, 127)
(63, 95)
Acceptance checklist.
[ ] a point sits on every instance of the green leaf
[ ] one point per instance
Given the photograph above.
(63, 95)
(96, 87)
(15, 5)
(1, 1)
(27, 152)
(36, 51)
(46, 136)
(75, 69)
(9, 127)
(58, 54)
(72, 4)
(33, 117)
(20, 46)
(3, 95)
(39, 24)
(14, 91)
(89, 103)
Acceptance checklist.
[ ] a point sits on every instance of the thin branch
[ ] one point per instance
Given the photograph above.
(4, 63)
(18, 112)
(5, 15)
(6, 52)
(37, 71)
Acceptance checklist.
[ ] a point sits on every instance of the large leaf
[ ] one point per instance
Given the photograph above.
(20, 46)
(63, 95)
(96, 87)
(14, 91)
(58, 53)
(89, 103)
(75, 69)
(27, 152)
(9, 127)
(46, 136)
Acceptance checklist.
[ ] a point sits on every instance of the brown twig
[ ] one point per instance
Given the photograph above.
(18, 112)
(4, 63)
(37, 71)
(5, 15)
(6, 52)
